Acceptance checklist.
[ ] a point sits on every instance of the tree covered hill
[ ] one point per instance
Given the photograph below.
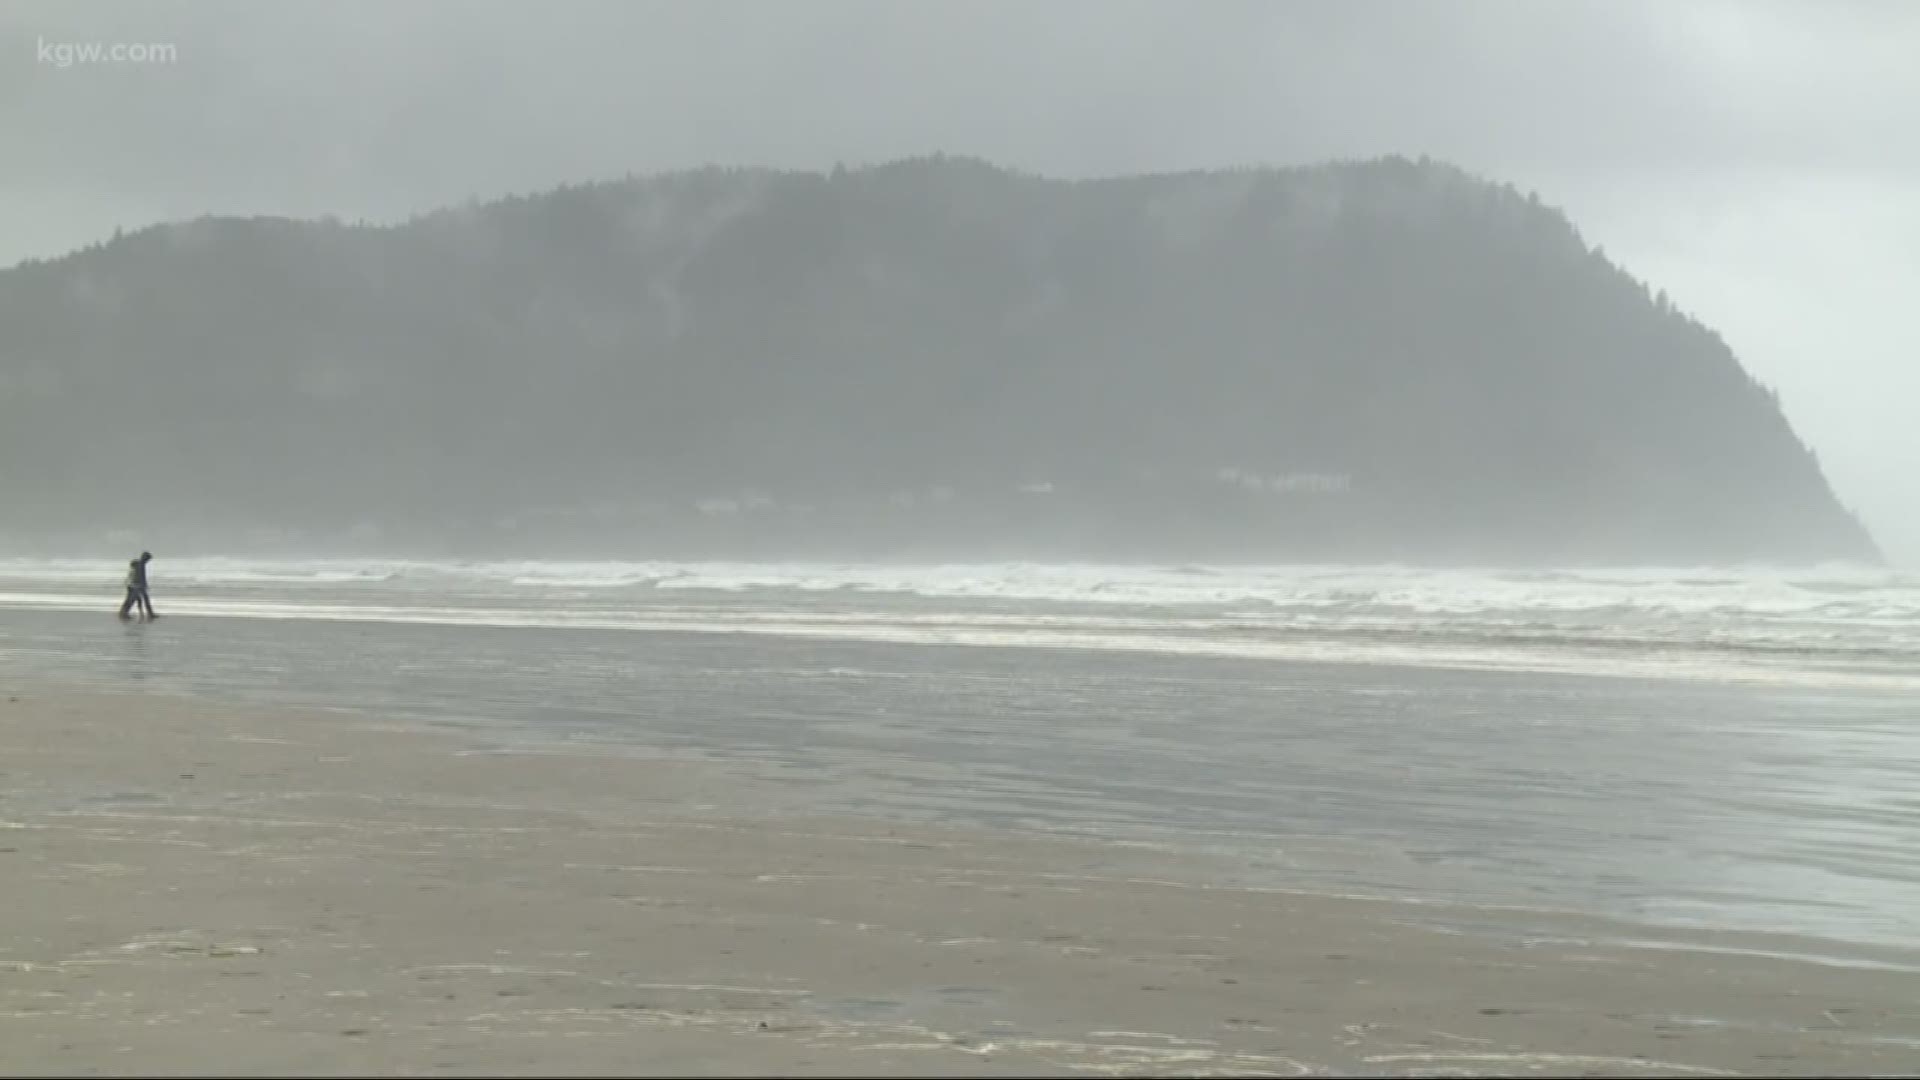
(930, 358)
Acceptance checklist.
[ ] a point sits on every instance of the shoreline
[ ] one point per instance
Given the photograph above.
(1627, 660)
(191, 886)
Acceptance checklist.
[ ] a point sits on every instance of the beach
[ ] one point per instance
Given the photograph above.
(350, 817)
(193, 886)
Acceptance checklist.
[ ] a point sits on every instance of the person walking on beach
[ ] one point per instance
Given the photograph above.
(137, 587)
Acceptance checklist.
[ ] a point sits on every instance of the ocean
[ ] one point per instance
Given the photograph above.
(1693, 747)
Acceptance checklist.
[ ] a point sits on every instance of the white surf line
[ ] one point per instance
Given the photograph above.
(1171, 1039)
(1541, 1059)
(1652, 663)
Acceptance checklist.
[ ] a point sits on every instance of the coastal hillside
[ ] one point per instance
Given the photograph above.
(933, 358)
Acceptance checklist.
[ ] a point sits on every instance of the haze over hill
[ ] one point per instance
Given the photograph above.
(935, 358)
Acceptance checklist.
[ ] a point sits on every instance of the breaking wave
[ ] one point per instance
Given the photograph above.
(1682, 619)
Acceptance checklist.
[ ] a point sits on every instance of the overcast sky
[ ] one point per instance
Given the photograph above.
(1759, 160)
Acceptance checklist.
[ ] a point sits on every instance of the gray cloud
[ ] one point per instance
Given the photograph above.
(404, 104)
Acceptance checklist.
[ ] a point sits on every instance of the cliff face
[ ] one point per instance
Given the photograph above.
(933, 358)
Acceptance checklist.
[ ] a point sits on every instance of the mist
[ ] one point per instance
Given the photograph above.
(1753, 161)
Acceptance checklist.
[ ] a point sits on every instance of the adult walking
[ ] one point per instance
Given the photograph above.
(137, 588)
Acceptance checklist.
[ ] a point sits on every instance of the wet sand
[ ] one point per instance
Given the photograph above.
(1664, 801)
(188, 887)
